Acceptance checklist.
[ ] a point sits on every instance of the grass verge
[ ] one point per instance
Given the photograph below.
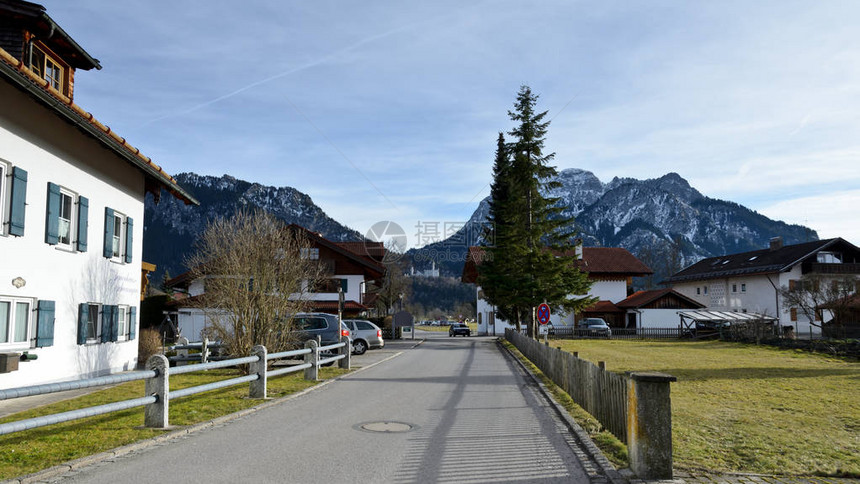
(612, 448)
(36, 449)
(747, 408)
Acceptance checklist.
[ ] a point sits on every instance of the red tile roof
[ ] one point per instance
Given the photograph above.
(642, 298)
(110, 139)
(323, 306)
(603, 307)
(596, 261)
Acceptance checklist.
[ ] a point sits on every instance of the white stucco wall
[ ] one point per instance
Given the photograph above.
(614, 290)
(656, 318)
(52, 151)
(760, 297)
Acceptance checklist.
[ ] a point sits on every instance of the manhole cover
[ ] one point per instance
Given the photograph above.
(386, 427)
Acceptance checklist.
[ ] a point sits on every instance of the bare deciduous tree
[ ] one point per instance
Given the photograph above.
(257, 274)
(818, 296)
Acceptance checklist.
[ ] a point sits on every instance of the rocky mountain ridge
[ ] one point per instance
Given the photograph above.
(171, 227)
(664, 221)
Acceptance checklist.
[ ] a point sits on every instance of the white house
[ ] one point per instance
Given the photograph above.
(351, 267)
(750, 281)
(71, 213)
(610, 269)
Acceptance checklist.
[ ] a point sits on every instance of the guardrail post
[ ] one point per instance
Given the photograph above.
(204, 351)
(649, 424)
(347, 351)
(313, 358)
(156, 414)
(258, 386)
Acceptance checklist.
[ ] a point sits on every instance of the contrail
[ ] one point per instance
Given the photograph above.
(300, 68)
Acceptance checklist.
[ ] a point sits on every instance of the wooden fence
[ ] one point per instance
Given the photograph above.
(601, 393)
(621, 333)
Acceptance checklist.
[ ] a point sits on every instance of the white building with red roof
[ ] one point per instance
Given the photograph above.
(610, 269)
(71, 213)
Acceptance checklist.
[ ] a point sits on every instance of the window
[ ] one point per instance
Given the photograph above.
(734, 288)
(122, 322)
(829, 258)
(118, 234)
(14, 321)
(66, 206)
(48, 68)
(66, 219)
(310, 253)
(706, 289)
(92, 322)
(743, 288)
(698, 290)
(116, 249)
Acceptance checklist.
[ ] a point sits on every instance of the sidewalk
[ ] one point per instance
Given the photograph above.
(9, 407)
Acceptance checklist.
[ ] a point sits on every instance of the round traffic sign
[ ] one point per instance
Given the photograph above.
(543, 314)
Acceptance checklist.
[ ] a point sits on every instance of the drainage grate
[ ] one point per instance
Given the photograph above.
(386, 427)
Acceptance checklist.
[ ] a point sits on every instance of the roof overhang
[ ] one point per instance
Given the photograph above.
(13, 71)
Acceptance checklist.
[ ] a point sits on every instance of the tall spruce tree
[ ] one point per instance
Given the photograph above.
(500, 269)
(532, 260)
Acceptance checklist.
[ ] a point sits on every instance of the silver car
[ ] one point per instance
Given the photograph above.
(365, 335)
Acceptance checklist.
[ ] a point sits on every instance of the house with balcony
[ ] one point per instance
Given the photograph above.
(71, 213)
(751, 281)
(610, 269)
(350, 267)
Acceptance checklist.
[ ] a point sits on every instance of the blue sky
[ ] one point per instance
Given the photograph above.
(390, 110)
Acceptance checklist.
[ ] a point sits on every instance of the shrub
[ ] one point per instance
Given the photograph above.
(148, 344)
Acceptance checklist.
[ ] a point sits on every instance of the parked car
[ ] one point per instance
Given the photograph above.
(459, 329)
(310, 325)
(595, 327)
(365, 335)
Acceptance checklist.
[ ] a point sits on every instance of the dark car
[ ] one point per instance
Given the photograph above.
(310, 325)
(595, 327)
(459, 329)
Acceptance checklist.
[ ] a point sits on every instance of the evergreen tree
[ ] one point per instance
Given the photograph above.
(533, 253)
(499, 272)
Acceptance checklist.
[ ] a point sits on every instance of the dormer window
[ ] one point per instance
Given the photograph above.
(829, 258)
(49, 68)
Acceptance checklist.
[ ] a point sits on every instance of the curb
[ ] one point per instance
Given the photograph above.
(60, 469)
(614, 476)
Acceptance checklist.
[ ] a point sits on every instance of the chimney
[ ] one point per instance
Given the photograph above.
(775, 243)
(578, 244)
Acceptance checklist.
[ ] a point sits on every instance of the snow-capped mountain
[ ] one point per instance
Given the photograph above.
(171, 227)
(664, 221)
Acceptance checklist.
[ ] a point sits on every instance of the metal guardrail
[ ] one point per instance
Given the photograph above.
(157, 377)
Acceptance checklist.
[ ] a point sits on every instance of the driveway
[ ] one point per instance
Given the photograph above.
(446, 410)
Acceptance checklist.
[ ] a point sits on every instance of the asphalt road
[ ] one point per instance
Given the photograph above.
(447, 410)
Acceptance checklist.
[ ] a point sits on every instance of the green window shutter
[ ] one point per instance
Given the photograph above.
(114, 323)
(83, 312)
(132, 322)
(129, 230)
(108, 249)
(107, 323)
(83, 215)
(344, 285)
(45, 324)
(52, 217)
(18, 201)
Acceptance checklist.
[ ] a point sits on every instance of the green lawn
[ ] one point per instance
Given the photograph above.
(746, 408)
(36, 449)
